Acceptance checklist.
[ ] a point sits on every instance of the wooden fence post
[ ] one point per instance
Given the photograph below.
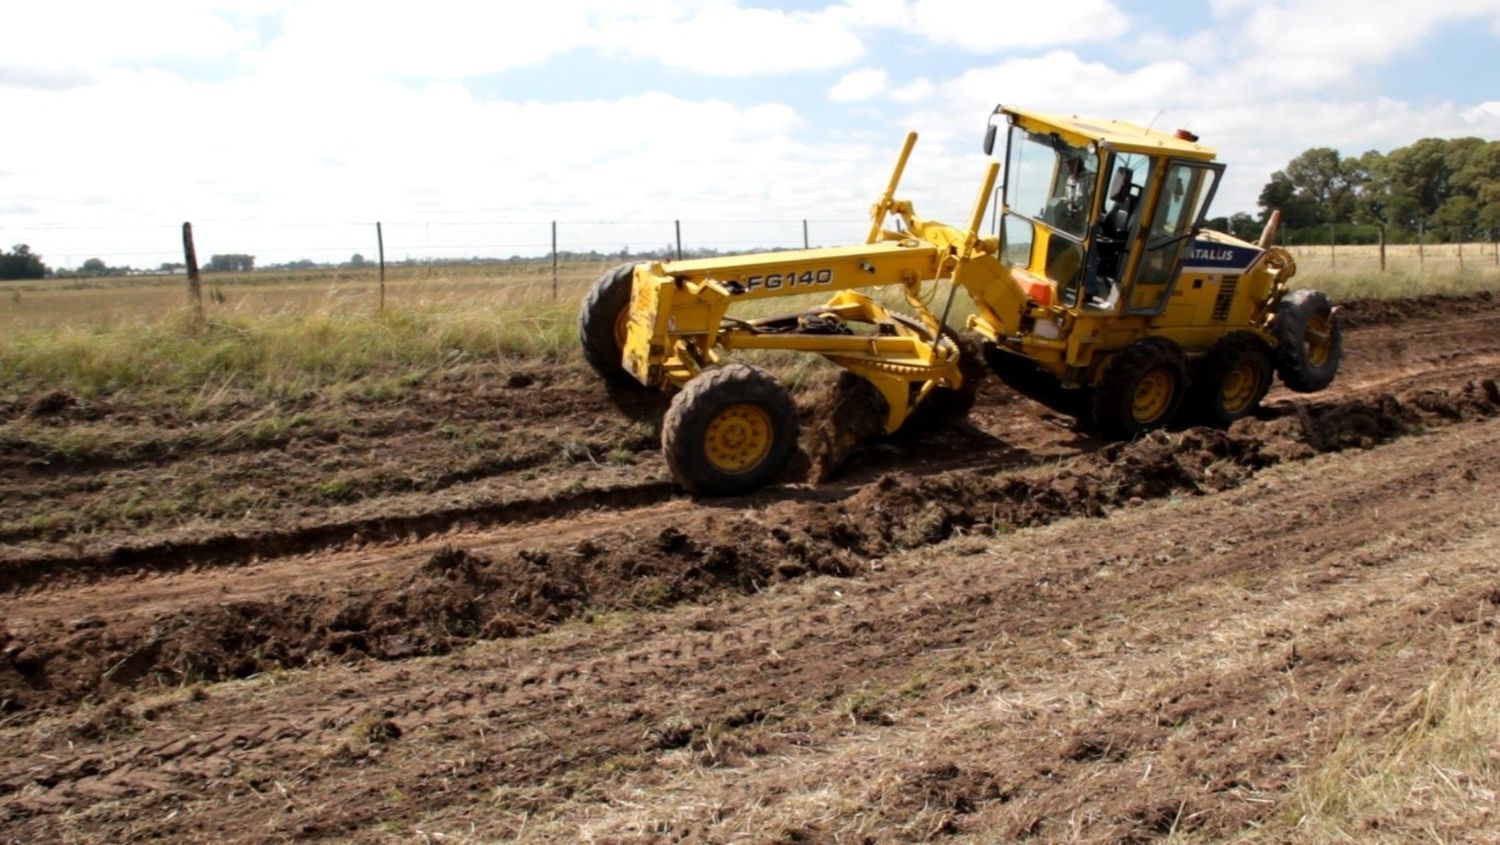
(1381, 230)
(195, 283)
(678, 225)
(380, 251)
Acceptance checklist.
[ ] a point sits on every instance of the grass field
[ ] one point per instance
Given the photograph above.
(278, 333)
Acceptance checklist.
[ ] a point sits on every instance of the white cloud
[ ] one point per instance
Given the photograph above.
(437, 39)
(858, 85)
(360, 111)
(65, 34)
(1310, 44)
(1484, 114)
(276, 151)
(993, 27)
(915, 91)
(1060, 81)
(719, 38)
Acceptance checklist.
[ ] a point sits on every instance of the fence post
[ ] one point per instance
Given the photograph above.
(805, 243)
(678, 225)
(380, 254)
(195, 283)
(1381, 230)
(554, 260)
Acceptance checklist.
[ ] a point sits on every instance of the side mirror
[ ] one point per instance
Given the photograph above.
(989, 139)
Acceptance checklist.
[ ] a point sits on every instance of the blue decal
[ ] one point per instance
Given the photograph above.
(1216, 256)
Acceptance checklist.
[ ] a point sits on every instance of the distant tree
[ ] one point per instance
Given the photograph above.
(1316, 187)
(1420, 172)
(1244, 226)
(93, 267)
(231, 263)
(171, 267)
(1281, 193)
(1458, 217)
(21, 264)
(357, 260)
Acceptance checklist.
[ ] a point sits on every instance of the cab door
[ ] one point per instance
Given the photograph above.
(1179, 208)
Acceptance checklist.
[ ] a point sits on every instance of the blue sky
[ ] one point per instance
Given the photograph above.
(284, 128)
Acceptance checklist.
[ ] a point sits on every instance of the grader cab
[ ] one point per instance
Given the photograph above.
(1098, 279)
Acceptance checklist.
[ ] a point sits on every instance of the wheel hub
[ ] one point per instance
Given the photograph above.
(1153, 396)
(1318, 340)
(622, 327)
(1237, 390)
(738, 438)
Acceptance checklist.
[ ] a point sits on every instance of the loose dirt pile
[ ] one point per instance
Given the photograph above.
(1361, 313)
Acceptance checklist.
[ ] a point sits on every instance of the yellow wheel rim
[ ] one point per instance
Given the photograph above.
(622, 326)
(1153, 396)
(1237, 390)
(738, 439)
(1318, 339)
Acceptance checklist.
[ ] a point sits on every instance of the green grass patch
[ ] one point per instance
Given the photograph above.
(277, 354)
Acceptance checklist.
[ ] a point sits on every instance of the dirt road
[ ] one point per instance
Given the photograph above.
(1005, 630)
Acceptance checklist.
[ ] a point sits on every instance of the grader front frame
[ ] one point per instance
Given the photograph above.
(1098, 277)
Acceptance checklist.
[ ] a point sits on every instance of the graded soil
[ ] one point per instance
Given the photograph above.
(509, 626)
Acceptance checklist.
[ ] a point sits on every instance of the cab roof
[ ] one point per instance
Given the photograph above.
(1119, 135)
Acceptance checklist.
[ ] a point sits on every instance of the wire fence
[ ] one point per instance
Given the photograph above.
(1419, 258)
(145, 248)
(459, 263)
(305, 245)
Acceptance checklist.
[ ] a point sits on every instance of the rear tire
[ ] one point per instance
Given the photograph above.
(1231, 378)
(729, 431)
(601, 325)
(1141, 388)
(1311, 339)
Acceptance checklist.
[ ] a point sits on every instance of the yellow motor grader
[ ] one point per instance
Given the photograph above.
(1098, 279)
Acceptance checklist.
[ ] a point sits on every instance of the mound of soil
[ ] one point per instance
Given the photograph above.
(455, 597)
(1360, 313)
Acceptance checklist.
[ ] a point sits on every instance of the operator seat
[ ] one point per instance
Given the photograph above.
(1114, 232)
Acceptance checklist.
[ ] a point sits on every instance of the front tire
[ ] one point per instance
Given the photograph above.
(729, 431)
(1311, 339)
(602, 322)
(1141, 388)
(1231, 378)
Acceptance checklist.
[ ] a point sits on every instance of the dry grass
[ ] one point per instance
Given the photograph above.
(1434, 778)
(111, 302)
(279, 333)
(1353, 272)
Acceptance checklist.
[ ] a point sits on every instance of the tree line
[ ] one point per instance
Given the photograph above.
(22, 263)
(1437, 189)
